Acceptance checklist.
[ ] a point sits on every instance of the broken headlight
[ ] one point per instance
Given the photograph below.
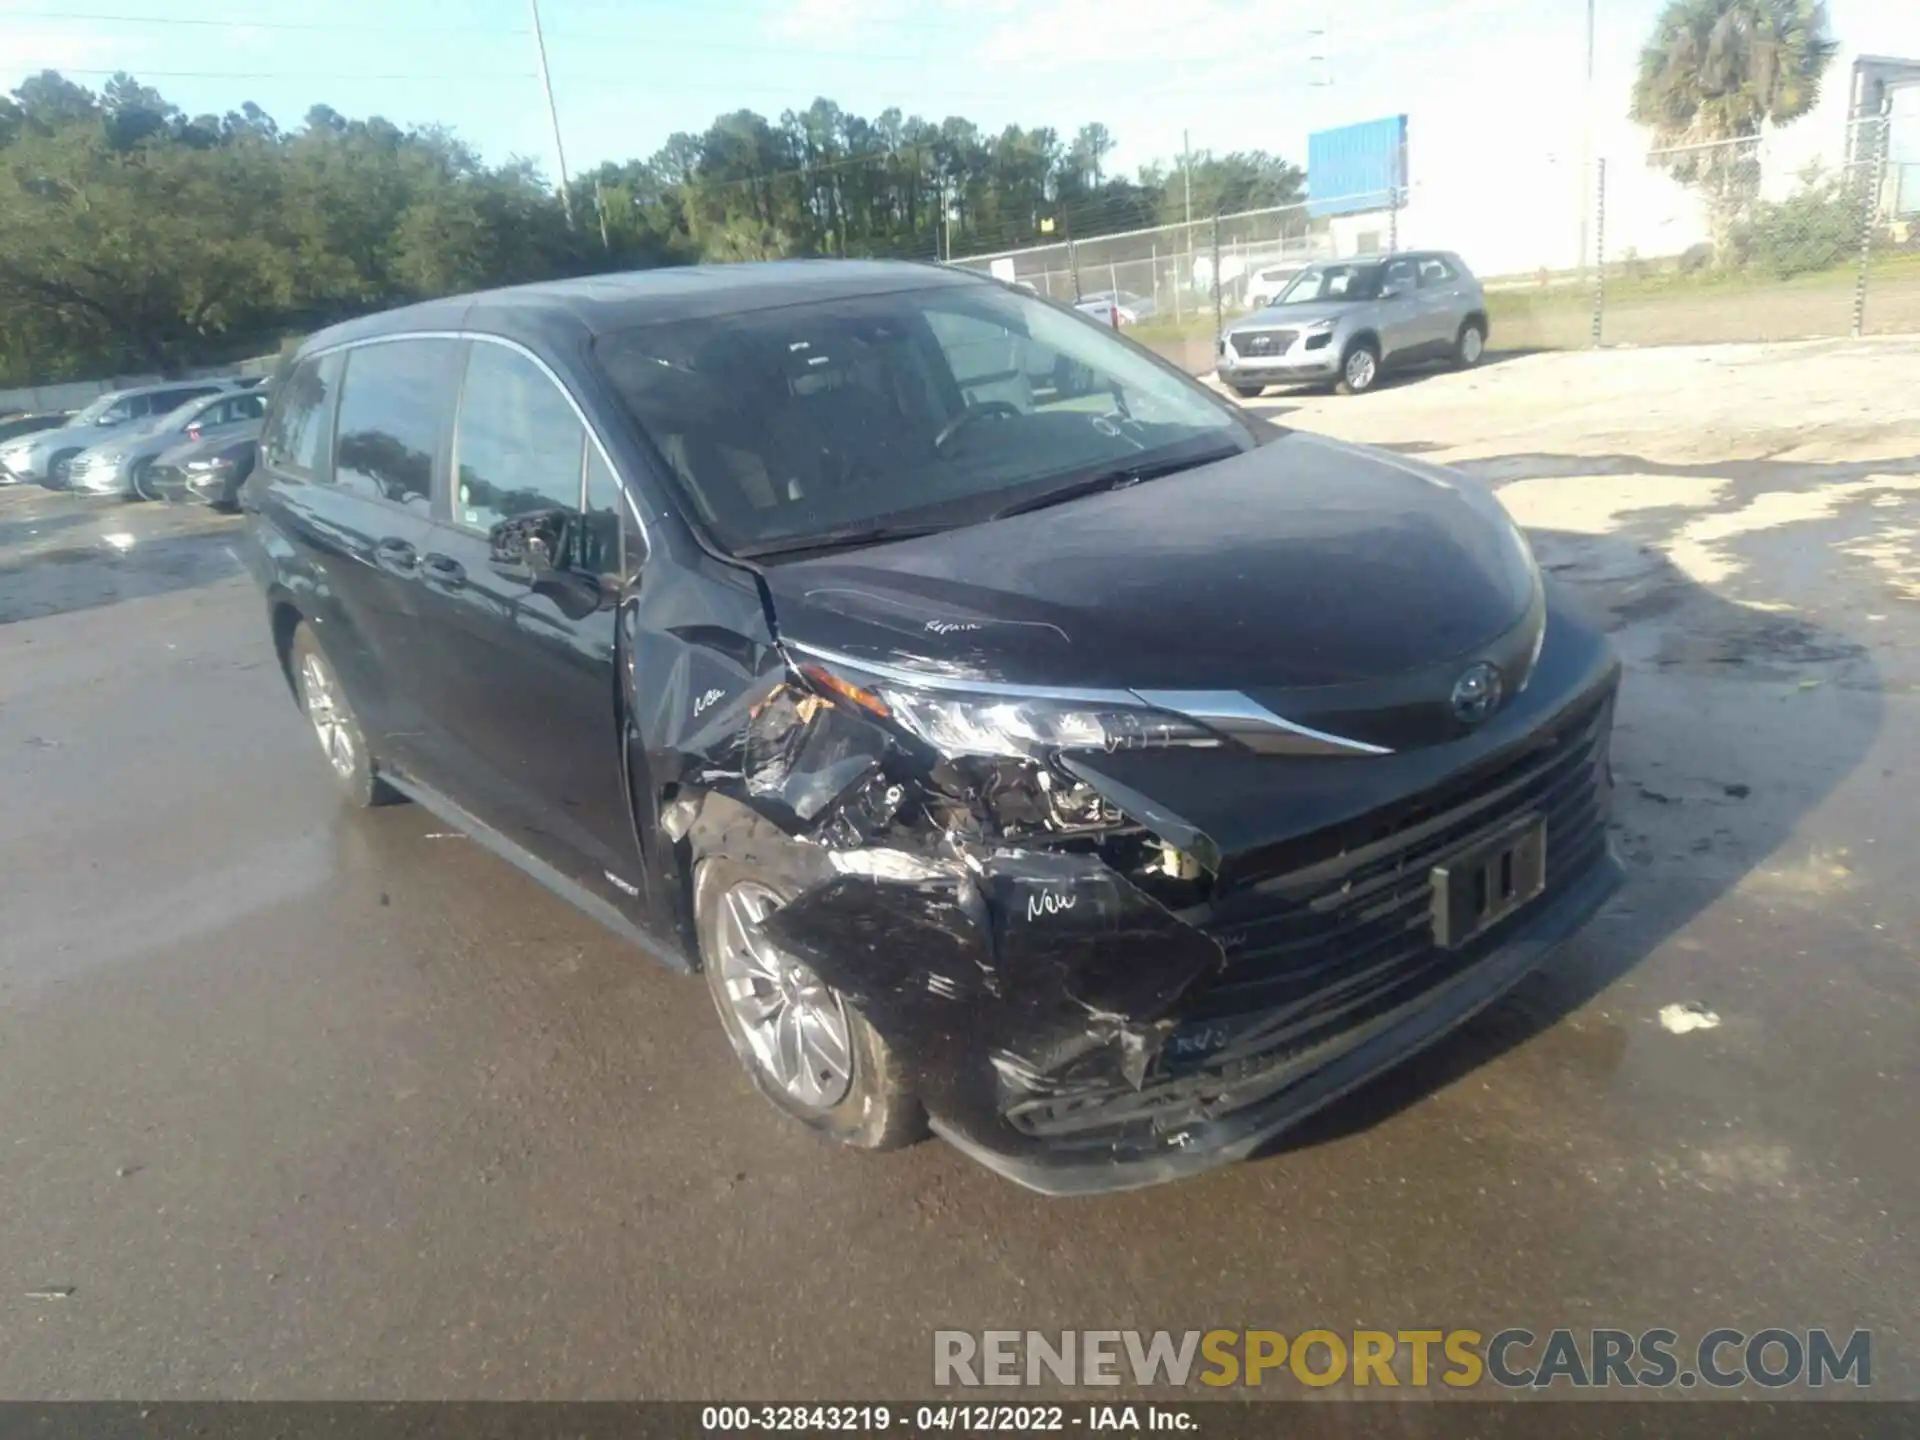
(1016, 727)
(1035, 728)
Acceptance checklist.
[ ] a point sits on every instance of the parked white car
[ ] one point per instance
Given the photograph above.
(1104, 310)
(1264, 285)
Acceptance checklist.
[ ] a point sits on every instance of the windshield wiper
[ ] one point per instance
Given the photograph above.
(1117, 478)
(847, 538)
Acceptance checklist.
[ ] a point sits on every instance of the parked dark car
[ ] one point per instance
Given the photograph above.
(1100, 772)
(210, 470)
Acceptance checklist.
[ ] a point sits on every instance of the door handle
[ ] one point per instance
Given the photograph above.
(396, 555)
(444, 570)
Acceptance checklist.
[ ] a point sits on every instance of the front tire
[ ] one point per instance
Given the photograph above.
(806, 1048)
(1359, 368)
(1247, 392)
(60, 469)
(140, 481)
(1469, 345)
(323, 700)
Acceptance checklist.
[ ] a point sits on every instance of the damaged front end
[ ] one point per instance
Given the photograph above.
(1112, 943)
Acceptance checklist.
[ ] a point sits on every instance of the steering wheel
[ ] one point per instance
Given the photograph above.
(1005, 410)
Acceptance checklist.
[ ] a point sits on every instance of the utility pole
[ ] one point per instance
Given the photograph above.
(553, 112)
(1186, 165)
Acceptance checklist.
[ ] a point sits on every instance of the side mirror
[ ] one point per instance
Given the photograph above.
(531, 546)
(538, 550)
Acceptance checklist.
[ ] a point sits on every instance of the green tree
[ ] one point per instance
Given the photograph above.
(1713, 73)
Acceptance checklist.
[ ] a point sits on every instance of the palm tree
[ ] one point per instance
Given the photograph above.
(1713, 74)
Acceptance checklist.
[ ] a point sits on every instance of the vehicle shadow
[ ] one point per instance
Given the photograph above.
(1394, 379)
(31, 527)
(1717, 759)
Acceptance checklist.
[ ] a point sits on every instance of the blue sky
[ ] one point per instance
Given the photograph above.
(1478, 77)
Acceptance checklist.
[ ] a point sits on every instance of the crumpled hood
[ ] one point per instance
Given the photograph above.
(1302, 563)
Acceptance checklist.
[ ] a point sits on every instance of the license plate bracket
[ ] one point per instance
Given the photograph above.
(1478, 888)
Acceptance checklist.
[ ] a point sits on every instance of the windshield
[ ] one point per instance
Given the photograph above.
(93, 410)
(176, 418)
(930, 407)
(1352, 281)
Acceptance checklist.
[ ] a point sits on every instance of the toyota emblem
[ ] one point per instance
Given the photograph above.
(1476, 694)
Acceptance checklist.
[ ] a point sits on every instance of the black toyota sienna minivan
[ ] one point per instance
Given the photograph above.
(1023, 740)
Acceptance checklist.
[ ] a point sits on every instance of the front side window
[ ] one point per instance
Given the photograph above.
(394, 405)
(517, 444)
(1357, 280)
(295, 440)
(928, 407)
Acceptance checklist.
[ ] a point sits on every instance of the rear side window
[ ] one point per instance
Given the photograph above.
(295, 441)
(395, 403)
(518, 444)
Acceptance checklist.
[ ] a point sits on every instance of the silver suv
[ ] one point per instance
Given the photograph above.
(1350, 321)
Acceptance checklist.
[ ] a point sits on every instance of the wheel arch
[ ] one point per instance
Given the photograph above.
(283, 618)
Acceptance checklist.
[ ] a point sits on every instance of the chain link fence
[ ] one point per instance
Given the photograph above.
(1766, 238)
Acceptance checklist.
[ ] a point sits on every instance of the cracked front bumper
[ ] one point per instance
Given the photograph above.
(1214, 1123)
(1071, 1033)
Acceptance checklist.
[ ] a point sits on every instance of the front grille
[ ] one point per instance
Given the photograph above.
(1314, 954)
(1262, 344)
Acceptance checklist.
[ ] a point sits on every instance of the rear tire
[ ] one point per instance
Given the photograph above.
(1359, 368)
(1247, 392)
(803, 1044)
(343, 743)
(1469, 345)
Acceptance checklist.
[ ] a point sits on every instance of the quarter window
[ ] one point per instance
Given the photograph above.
(1434, 271)
(392, 409)
(295, 442)
(518, 444)
(601, 525)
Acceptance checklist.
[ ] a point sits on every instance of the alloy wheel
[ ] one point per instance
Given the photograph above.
(794, 1023)
(1360, 369)
(1471, 344)
(328, 714)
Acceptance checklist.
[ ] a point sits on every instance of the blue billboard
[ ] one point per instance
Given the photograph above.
(1357, 167)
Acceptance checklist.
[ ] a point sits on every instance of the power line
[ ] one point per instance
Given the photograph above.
(654, 45)
(243, 21)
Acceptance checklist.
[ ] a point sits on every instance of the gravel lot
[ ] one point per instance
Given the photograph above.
(307, 1103)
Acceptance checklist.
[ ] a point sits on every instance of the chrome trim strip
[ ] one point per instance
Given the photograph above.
(1227, 711)
(961, 685)
(1253, 725)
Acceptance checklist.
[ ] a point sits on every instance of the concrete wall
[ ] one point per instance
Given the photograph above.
(73, 394)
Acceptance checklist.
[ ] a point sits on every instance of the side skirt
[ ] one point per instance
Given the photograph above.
(573, 893)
